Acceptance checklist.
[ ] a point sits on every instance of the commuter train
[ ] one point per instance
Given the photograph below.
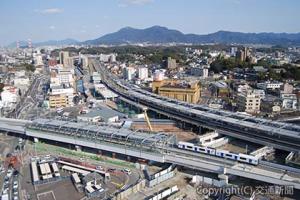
(218, 152)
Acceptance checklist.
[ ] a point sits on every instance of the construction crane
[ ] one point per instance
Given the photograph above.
(148, 120)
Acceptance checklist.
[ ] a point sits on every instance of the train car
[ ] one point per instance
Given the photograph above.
(226, 154)
(201, 149)
(211, 151)
(248, 159)
(186, 145)
(219, 153)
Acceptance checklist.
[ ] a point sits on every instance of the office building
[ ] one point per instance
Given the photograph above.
(240, 55)
(61, 96)
(233, 51)
(128, 73)
(142, 73)
(171, 63)
(249, 102)
(58, 101)
(65, 59)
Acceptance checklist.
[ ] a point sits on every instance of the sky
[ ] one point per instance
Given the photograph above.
(41, 20)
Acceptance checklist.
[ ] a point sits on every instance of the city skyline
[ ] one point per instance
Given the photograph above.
(56, 20)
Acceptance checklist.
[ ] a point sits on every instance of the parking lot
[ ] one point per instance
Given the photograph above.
(9, 182)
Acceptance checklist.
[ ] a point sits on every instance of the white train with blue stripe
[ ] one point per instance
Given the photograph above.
(218, 152)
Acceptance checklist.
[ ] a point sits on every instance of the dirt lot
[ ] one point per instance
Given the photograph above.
(182, 135)
(238, 146)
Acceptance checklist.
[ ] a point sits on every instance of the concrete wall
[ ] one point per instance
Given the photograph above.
(161, 176)
(133, 189)
(164, 193)
(259, 153)
(202, 179)
(207, 137)
(154, 182)
(217, 143)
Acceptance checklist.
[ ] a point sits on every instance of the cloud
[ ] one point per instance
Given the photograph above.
(50, 11)
(52, 27)
(126, 3)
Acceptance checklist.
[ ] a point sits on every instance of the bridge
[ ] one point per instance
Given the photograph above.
(158, 147)
(279, 135)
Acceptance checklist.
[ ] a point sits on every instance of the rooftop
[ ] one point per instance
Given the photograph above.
(103, 112)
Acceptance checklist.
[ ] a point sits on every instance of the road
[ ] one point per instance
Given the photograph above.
(29, 97)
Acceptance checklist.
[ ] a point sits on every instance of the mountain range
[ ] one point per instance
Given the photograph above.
(159, 34)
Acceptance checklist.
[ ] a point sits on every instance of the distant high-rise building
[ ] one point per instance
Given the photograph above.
(107, 57)
(38, 60)
(112, 58)
(29, 43)
(246, 53)
(277, 54)
(171, 63)
(233, 51)
(240, 55)
(64, 58)
(142, 73)
(128, 73)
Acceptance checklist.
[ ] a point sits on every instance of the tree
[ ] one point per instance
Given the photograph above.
(29, 67)
(261, 75)
(274, 76)
(1, 87)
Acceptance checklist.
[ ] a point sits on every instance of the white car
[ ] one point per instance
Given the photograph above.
(127, 171)
(4, 192)
(9, 173)
(16, 185)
